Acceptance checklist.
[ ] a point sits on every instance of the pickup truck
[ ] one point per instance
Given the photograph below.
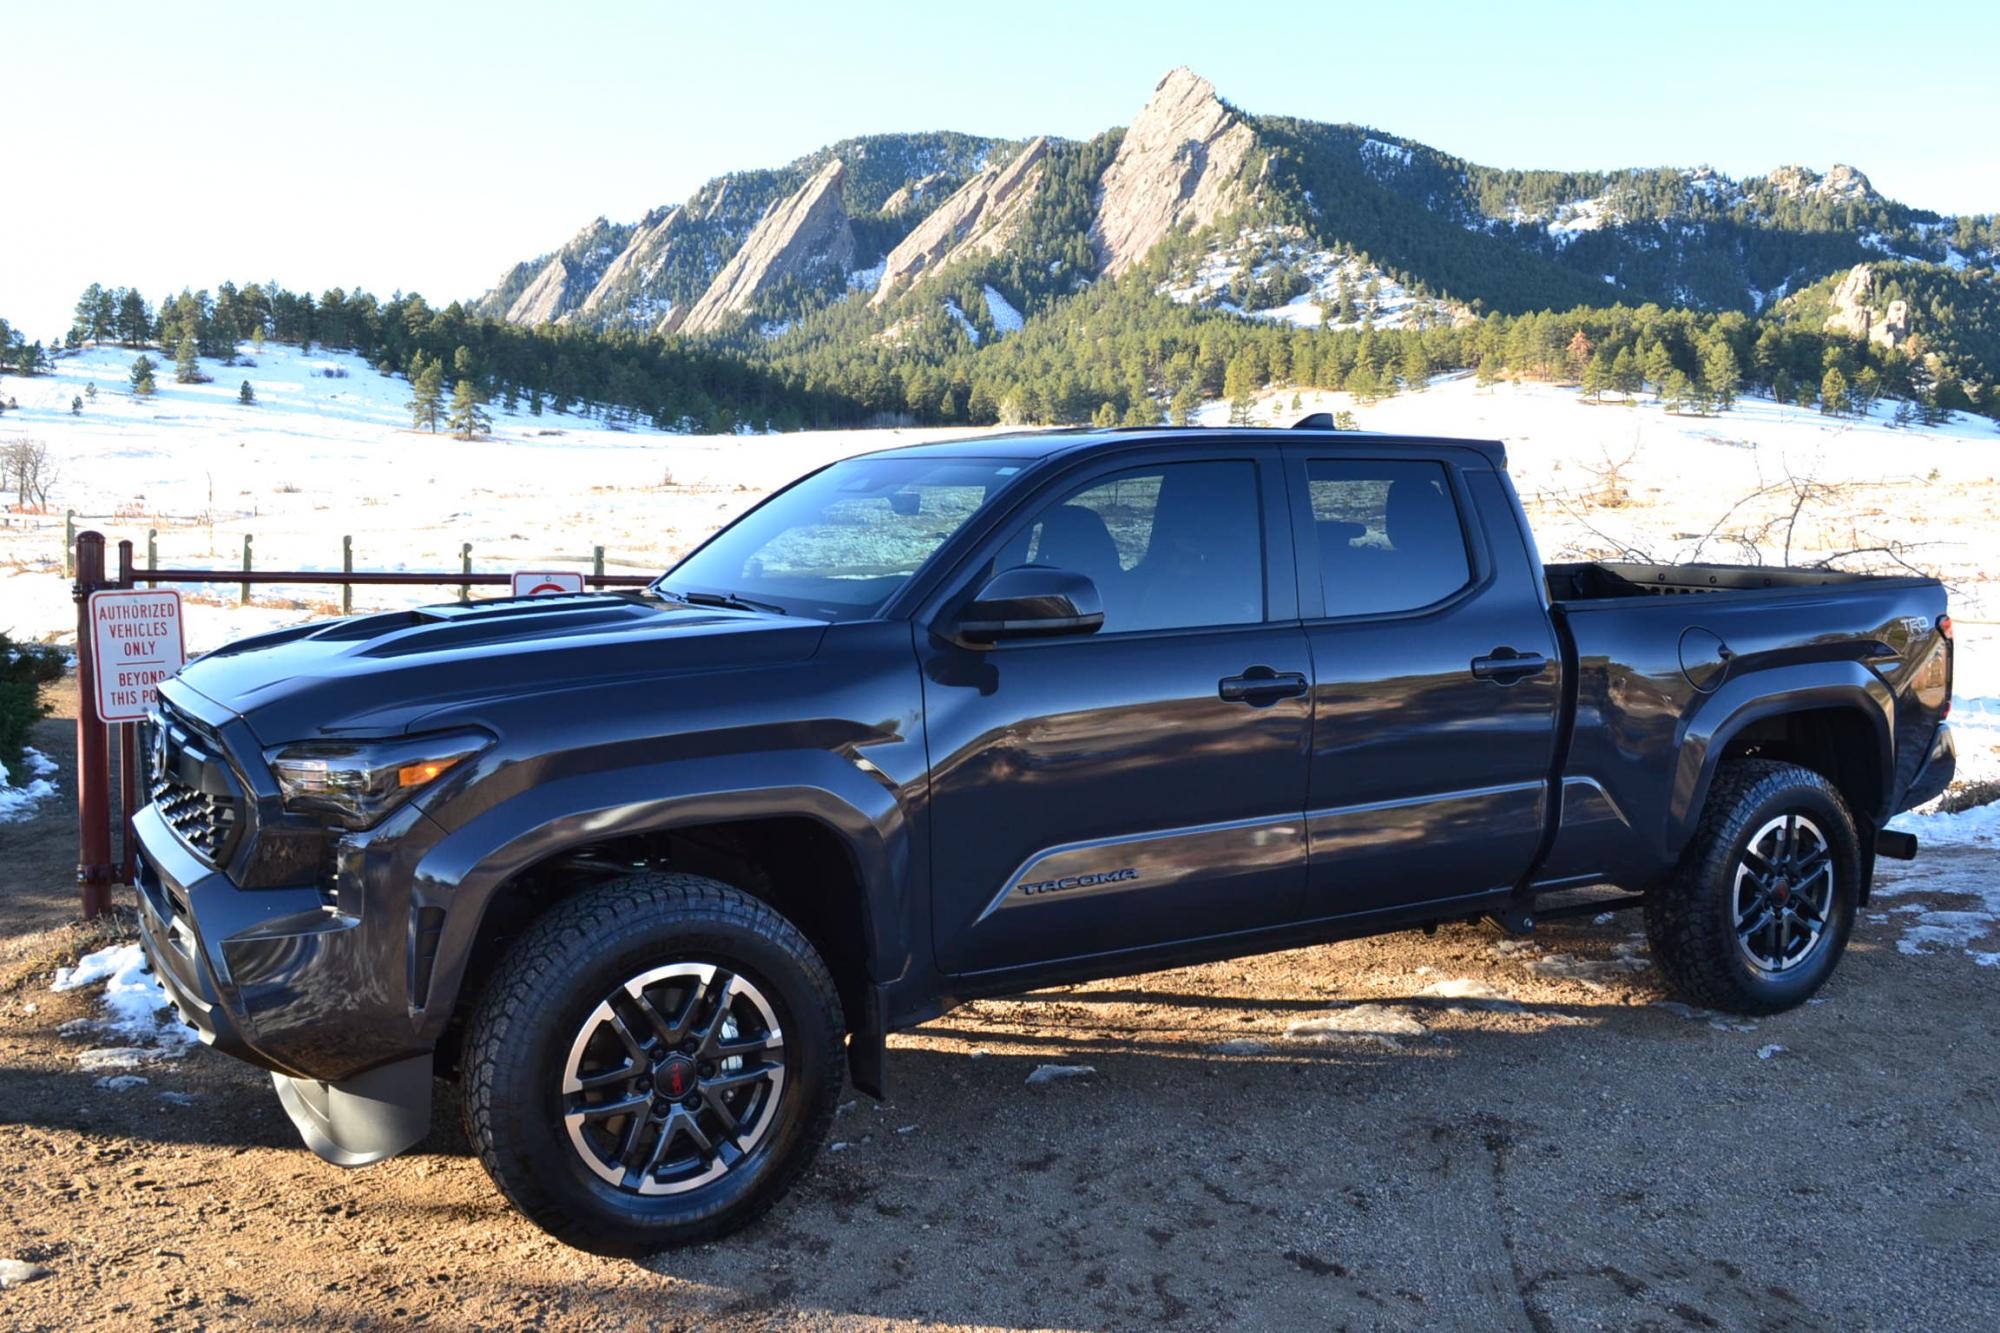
(645, 875)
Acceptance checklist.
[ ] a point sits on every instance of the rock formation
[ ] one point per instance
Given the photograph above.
(556, 284)
(802, 234)
(977, 219)
(1843, 182)
(1853, 315)
(1178, 166)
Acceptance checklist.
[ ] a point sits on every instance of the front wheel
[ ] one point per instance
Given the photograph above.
(1763, 902)
(654, 1063)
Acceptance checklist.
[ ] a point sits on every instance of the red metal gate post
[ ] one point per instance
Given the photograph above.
(128, 755)
(93, 756)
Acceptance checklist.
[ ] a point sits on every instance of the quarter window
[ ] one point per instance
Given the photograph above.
(1388, 534)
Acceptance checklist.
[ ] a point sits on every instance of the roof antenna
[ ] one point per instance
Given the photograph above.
(1317, 421)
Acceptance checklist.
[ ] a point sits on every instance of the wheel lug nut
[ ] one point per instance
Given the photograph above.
(707, 1068)
(691, 1101)
(688, 1047)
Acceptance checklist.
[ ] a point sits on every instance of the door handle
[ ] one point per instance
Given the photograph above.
(1260, 686)
(1504, 666)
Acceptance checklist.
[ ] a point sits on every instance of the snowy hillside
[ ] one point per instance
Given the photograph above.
(326, 451)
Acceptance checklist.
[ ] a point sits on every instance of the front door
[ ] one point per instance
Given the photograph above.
(1438, 682)
(1144, 784)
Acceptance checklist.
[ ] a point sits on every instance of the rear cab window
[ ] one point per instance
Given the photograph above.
(1387, 535)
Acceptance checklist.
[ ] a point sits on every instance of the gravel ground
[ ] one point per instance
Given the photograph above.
(1454, 1131)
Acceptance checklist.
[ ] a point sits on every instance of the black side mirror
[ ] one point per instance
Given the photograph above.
(1031, 602)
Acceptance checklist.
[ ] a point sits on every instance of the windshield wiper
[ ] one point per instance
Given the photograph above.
(734, 601)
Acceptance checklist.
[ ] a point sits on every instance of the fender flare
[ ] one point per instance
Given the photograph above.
(1757, 696)
(464, 871)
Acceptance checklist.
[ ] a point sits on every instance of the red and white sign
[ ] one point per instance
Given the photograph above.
(135, 639)
(546, 582)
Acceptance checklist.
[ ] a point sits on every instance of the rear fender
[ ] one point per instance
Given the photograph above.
(1757, 696)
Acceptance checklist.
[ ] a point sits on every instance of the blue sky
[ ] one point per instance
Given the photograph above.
(425, 146)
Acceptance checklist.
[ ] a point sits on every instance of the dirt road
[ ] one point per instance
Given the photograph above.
(1517, 1136)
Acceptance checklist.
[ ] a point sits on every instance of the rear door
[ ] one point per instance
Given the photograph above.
(1144, 784)
(1437, 679)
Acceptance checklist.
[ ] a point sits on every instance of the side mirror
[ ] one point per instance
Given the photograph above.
(1031, 602)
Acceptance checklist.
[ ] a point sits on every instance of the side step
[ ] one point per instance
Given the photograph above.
(1523, 919)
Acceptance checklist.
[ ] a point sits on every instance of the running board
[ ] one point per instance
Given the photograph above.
(1523, 919)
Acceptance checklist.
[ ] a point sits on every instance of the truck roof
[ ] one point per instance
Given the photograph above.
(1040, 444)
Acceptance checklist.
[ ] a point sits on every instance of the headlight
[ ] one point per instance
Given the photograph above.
(356, 783)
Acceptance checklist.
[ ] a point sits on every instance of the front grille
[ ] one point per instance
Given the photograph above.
(192, 787)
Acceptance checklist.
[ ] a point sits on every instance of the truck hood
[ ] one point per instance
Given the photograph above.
(384, 674)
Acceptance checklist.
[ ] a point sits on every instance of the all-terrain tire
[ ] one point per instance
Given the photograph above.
(552, 983)
(1692, 919)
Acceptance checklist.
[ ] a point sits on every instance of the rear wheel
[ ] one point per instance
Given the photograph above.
(1760, 909)
(654, 1063)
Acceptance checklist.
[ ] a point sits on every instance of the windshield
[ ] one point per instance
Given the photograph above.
(840, 543)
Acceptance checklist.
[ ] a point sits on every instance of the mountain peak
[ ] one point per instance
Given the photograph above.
(810, 229)
(1842, 182)
(1177, 166)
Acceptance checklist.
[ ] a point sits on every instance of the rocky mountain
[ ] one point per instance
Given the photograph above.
(1218, 206)
(801, 238)
(979, 218)
(1179, 166)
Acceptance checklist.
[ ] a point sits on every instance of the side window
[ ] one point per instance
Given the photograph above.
(1176, 546)
(1388, 533)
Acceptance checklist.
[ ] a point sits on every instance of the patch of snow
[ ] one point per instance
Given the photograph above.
(1383, 155)
(1766, 1052)
(1471, 988)
(1006, 319)
(18, 803)
(964, 321)
(1240, 1046)
(1054, 1073)
(13, 1272)
(178, 1098)
(867, 279)
(1380, 1023)
(121, 1082)
(116, 1057)
(136, 1007)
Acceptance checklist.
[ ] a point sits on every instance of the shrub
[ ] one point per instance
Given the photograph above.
(24, 669)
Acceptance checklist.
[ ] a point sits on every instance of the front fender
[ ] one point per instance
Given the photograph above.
(1755, 696)
(462, 872)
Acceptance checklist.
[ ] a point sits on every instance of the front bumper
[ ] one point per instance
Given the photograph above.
(269, 976)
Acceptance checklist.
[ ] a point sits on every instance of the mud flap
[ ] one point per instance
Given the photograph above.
(365, 1118)
(868, 1048)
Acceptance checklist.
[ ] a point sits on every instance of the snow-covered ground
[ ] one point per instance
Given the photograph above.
(1255, 252)
(320, 457)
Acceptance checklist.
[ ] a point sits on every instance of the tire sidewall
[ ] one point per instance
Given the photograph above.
(527, 1102)
(1824, 808)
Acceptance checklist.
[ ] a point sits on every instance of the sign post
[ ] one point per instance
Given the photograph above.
(135, 643)
(545, 582)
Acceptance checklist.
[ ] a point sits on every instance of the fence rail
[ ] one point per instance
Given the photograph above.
(95, 870)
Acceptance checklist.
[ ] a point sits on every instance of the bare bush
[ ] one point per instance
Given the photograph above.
(26, 468)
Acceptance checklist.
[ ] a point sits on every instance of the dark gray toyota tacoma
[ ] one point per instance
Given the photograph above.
(646, 874)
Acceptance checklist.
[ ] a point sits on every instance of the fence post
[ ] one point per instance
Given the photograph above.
(69, 544)
(152, 553)
(128, 755)
(347, 567)
(244, 600)
(93, 755)
(465, 567)
(597, 561)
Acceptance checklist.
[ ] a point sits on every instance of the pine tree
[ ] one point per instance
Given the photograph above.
(1720, 372)
(1833, 394)
(1626, 376)
(1596, 377)
(135, 322)
(1782, 389)
(1659, 364)
(1676, 390)
(90, 391)
(1181, 410)
(1106, 415)
(142, 375)
(468, 412)
(76, 407)
(426, 393)
(246, 395)
(1578, 354)
(1489, 370)
(187, 366)
(1416, 365)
